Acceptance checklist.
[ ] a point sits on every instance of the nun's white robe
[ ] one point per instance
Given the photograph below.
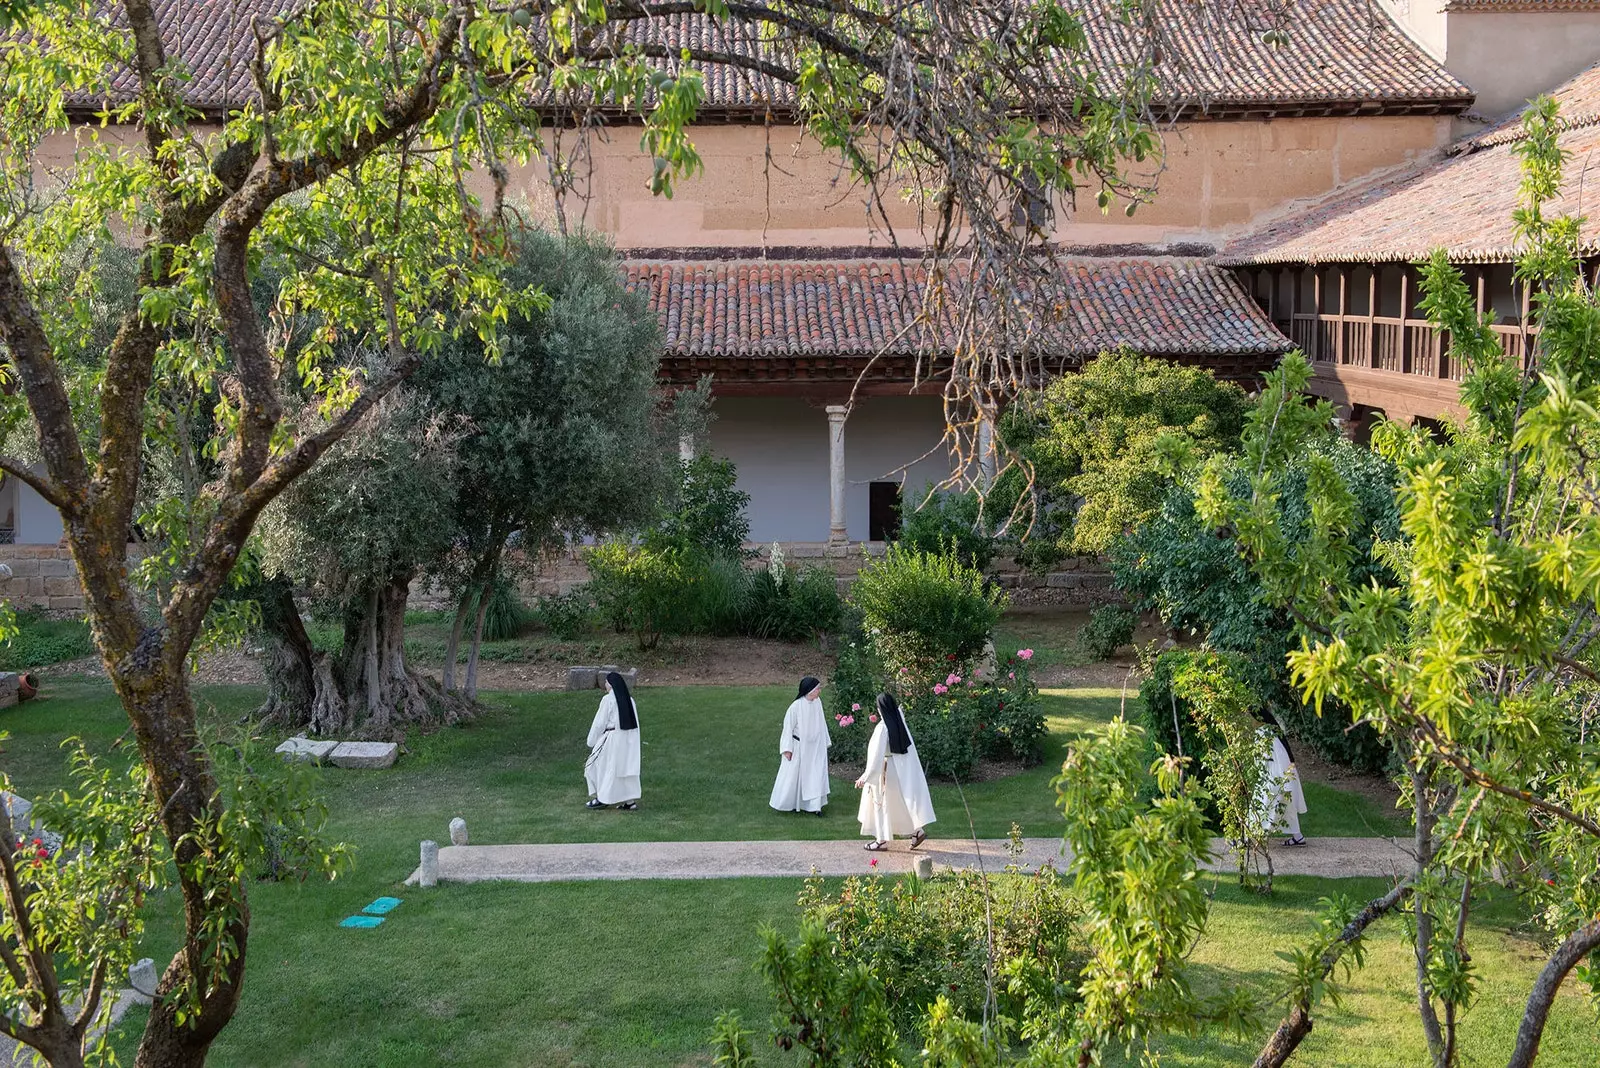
(802, 784)
(894, 798)
(612, 770)
(1281, 800)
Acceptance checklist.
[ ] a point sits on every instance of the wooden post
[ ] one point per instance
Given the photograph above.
(1372, 316)
(1405, 318)
(1338, 337)
(1316, 321)
(1294, 299)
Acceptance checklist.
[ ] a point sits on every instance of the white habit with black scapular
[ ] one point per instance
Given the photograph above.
(894, 799)
(802, 784)
(612, 770)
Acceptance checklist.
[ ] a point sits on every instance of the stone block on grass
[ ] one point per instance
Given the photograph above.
(9, 688)
(313, 749)
(581, 678)
(364, 755)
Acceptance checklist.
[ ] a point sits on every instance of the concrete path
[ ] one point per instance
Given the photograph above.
(1333, 857)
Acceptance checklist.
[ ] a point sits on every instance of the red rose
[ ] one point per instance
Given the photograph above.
(44, 852)
(950, 656)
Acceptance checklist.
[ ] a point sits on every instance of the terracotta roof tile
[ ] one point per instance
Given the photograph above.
(1341, 54)
(1462, 203)
(866, 307)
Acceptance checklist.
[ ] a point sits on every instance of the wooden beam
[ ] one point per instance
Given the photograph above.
(1316, 308)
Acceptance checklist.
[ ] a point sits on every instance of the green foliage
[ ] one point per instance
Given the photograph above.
(923, 610)
(730, 1042)
(506, 616)
(1198, 581)
(1110, 627)
(950, 523)
(789, 606)
(1476, 662)
(39, 642)
(836, 1013)
(924, 940)
(566, 615)
(648, 592)
(706, 513)
(1235, 757)
(1103, 442)
(1133, 866)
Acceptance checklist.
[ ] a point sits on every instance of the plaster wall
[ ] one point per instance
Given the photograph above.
(1219, 179)
(780, 446)
(37, 521)
(1511, 57)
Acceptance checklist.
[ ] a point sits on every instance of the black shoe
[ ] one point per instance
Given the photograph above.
(628, 806)
(593, 802)
(819, 813)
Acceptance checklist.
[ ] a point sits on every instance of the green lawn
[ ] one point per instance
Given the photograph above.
(632, 974)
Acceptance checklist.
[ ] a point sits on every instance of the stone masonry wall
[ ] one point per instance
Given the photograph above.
(42, 576)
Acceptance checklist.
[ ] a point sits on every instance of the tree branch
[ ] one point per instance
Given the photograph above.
(42, 484)
(1297, 1025)
(1578, 944)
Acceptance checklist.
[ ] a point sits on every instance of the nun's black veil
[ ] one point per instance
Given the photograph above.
(626, 719)
(807, 684)
(899, 737)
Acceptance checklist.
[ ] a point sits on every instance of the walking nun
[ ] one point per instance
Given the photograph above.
(894, 791)
(802, 784)
(1281, 800)
(612, 770)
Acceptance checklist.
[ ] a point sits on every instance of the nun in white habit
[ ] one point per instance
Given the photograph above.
(1281, 799)
(894, 791)
(802, 784)
(612, 770)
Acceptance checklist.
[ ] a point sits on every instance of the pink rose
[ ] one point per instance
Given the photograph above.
(873, 862)
(856, 707)
(872, 718)
(940, 687)
(904, 670)
(1025, 654)
(952, 679)
(970, 684)
(847, 721)
(1012, 675)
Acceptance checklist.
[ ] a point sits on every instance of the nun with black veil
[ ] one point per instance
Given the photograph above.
(802, 784)
(612, 770)
(894, 791)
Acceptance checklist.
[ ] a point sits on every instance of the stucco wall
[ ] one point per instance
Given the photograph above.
(780, 446)
(1220, 177)
(1509, 57)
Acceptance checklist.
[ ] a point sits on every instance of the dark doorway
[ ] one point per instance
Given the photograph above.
(883, 511)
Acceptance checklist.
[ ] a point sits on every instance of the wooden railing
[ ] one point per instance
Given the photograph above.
(1384, 343)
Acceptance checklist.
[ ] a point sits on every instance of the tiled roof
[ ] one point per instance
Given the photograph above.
(867, 307)
(1462, 203)
(1341, 55)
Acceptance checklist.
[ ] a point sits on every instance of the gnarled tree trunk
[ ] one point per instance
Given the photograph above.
(366, 689)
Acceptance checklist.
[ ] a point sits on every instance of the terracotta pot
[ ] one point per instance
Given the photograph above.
(27, 686)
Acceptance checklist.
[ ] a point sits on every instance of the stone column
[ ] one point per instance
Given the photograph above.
(837, 530)
(986, 451)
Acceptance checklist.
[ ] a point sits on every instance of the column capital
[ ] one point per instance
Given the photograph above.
(838, 411)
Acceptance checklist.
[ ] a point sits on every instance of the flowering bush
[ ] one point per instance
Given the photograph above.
(967, 718)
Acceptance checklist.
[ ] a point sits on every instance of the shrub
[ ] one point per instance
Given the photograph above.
(649, 592)
(924, 939)
(963, 718)
(949, 524)
(707, 513)
(1197, 581)
(505, 616)
(921, 609)
(720, 599)
(567, 615)
(1110, 627)
(783, 605)
(40, 642)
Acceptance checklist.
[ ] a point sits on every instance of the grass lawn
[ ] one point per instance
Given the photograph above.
(619, 974)
(632, 974)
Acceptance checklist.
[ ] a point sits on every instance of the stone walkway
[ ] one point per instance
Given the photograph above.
(1332, 857)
